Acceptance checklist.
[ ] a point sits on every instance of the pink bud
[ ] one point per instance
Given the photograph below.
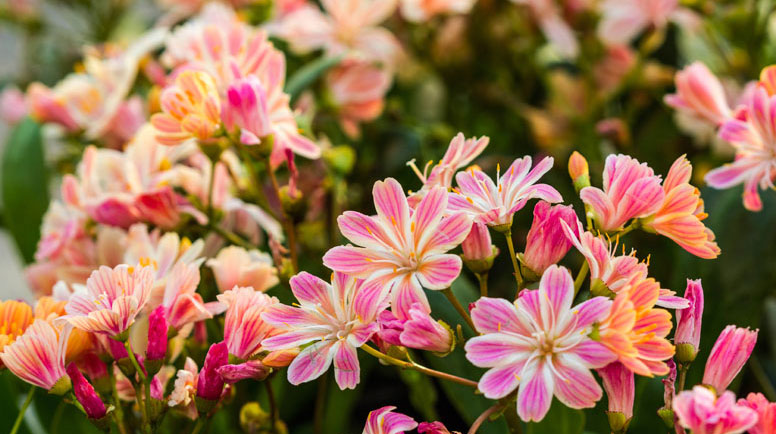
(688, 321)
(117, 349)
(390, 328)
(766, 411)
(729, 354)
(246, 108)
(157, 335)
(94, 367)
(423, 333)
(252, 369)
(209, 383)
(157, 391)
(432, 428)
(620, 388)
(700, 94)
(85, 394)
(546, 243)
(477, 246)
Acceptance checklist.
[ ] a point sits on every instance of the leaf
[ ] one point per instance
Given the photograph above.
(307, 74)
(559, 420)
(24, 186)
(423, 394)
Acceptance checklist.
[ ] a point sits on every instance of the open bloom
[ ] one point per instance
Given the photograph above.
(631, 190)
(15, 317)
(495, 203)
(331, 322)
(419, 331)
(182, 304)
(702, 412)
(244, 329)
(185, 388)
(755, 142)
(191, 109)
(700, 94)
(540, 343)
(766, 413)
(728, 355)
(399, 249)
(235, 266)
(681, 215)
(385, 421)
(112, 299)
(38, 356)
(546, 243)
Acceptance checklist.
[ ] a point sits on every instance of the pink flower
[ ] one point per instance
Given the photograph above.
(477, 246)
(631, 190)
(112, 299)
(182, 305)
(385, 421)
(209, 382)
(754, 139)
(702, 412)
(433, 428)
(244, 328)
(423, 10)
(620, 388)
(246, 108)
(332, 321)
(623, 20)
(157, 336)
(235, 266)
(38, 356)
(495, 203)
(546, 243)
(358, 90)
(419, 331)
(766, 412)
(85, 394)
(402, 250)
(540, 343)
(558, 32)
(13, 107)
(700, 94)
(728, 355)
(688, 321)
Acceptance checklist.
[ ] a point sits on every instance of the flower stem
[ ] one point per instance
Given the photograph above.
(198, 426)
(581, 277)
(420, 368)
(513, 257)
(457, 305)
(483, 417)
(132, 358)
(118, 413)
(289, 223)
(681, 376)
(483, 279)
(23, 410)
(273, 407)
(320, 404)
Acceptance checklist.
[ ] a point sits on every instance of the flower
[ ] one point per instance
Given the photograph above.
(702, 412)
(419, 331)
(766, 412)
(631, 190)
(246, 108)
(403, 251)
(330, 323)
(13, 107)
(85, 394)
(755, 144)
(546, 243)
(688, 322)
(209, 382)
(181, 303)
(423, 10)
(728, 355)
(112, 299)
(549, 18)
(540, 343)
(235, 266)
(185, 388)
(579, 171)
(38, 356)
(191, 109)
(495, 204)
(385, 421)
(623, 20)
(700, 94)
(358, 90)
(681, 214)
(15, 317)
(244, 328)
(620, 390)
(477, 246)
(434, 428)
(157, 336)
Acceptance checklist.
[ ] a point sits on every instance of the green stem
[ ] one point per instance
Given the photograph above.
(231, 237)
(483, 417)
(514, 424)
(288, 222)
(198, 426)
(273, 407)
(681, 377)
(320, 404)
(118, 413)
(581, 277)
(483, 279)
(132, 358)
(513, 257)
(420, 368)
(23, 410)
(457, 305)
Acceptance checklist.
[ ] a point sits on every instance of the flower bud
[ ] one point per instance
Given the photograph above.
(97, 371)
(293, 203)
(478, 250)
(246, 108)
(729, 354)
(433, 428)
(579, 171)
(546, 243)
(620, 393)
(121, 356)
(688, 323)
(253, 417)
(85, 394)
(233, 373)
(423, 333)
(157, 340)
(210, 385)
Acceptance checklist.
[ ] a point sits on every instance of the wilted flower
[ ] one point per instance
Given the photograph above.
(540, 343)
(688, 323)
(385, 421)
(766, 412)
(235, 266)
(38, 356)
(729, 354)
(191, 109)
(185, 388)
(546, 243)
(702, 412)
(700, 94)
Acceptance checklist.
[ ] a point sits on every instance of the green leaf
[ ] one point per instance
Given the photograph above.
(423, 394)
(24, 186)
(559, 420)
(307, 74)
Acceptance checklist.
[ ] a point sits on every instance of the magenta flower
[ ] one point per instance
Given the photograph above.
(755, 142)
(495, 203)
(331, 322)
(399, 248)
(766, 412)
(700, 94)
(157, 335)
(85, 394)
(209, 382)
(546, 243)
(540, 343)
(728, 355)
(631, 190)
(688, 321)
(385, 421)
(702, 412)
(419, 331)
(246, 108)
(433, 428)
(620, 388)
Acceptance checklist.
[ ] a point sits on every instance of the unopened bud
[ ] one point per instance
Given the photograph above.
(618, 422)
(253, 417)
(685, 353)
(667, 415)
(341, 159)
(579, 171)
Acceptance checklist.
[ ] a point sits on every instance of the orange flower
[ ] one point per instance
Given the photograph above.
(15, 317)
(191, 109)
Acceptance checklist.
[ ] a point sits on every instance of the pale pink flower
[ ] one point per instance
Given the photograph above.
(702, 412)
(246, 107)
(550, 19)
(331, 322)
(403, 250)
(728, 355)
(423, 10)
(688, 320)
(614, 67)
(754, 139)
(163, 251)
(460, 152)
(766, 412)
(182, 305)
(38, 355)
(385, 421)
(358, 90)
(112, 300)
(477, 246)
(185, 388)
(13, 107)
(546, 243)
(419, 331)
(623, 20)
(620, 388)
(495, 203)
(235, 266)
(244, 328)
(540, 343)
(631, 190)
(700, 94)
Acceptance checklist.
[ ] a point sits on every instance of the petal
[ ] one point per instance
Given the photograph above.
(593, 310)
(444, 236)
(594, 354)
(500, 381)
(346, 368)
(352, 260)
(439, 271)
(391, 205)
(428, 213)
(575, 386)
(371, 298)
(495, 349)
(556, 293)
(535, 394)
(311, 363)
(406, 291)
(494, 315)
(310, 289)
